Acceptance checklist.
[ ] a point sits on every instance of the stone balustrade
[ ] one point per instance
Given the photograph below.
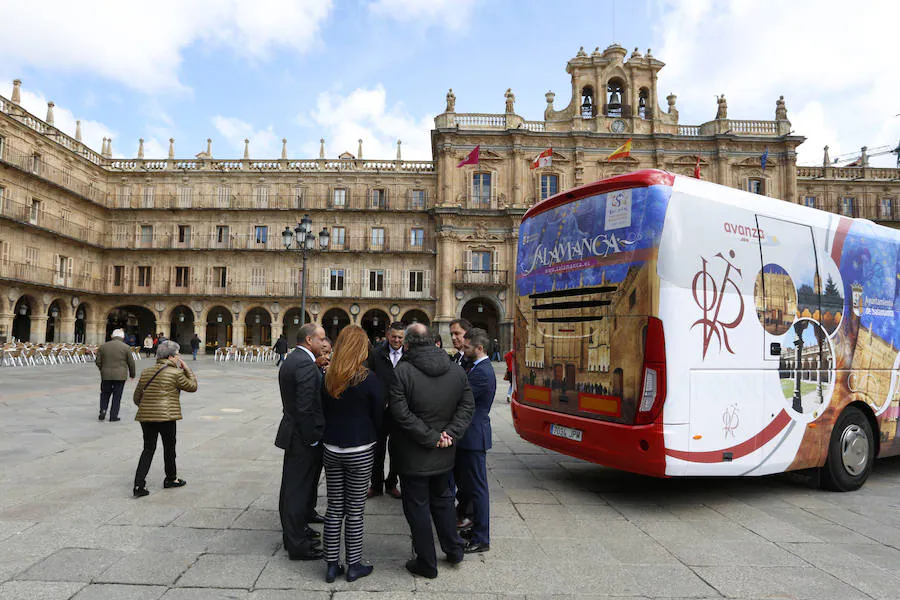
(690, 130)
(849, 173)
(480, 121)
(753, 127)
(29, 120)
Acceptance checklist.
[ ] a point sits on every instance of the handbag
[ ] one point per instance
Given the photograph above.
(508, 376)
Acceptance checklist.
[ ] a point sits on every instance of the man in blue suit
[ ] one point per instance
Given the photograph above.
(470, 471)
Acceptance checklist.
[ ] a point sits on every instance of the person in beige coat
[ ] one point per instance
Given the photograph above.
(158, 397)
(116, 364)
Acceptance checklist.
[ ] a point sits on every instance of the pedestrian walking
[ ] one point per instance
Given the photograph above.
(116, 364)
(353, 406)
(495, 350)
(158, 398)
(509, 357)
(280, 348)
(148, 345)
(195, 345)
(431, 406)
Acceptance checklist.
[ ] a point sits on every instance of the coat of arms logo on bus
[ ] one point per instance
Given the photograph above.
(710, 294)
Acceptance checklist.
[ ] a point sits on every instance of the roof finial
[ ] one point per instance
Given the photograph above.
(49, 118)
(77, 131)
(398, 150)
(103, 148)
(359, 153)
(826, 160)
(17, 91)
(140, 148)
(246, 148)
(171, 147)
(321, 147)
(208, 147)
(283, 148)
(109, 148)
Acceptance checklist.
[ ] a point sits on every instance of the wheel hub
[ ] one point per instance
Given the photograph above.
(854, 449)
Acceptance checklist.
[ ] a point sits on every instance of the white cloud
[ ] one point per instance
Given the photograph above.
(141, 43)
(364, 114)
(263, 142)
(835, 67)
(452, 14)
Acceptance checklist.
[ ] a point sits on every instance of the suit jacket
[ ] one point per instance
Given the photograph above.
(460, 359)
(483, 384)
(300, 382)
(380, 363)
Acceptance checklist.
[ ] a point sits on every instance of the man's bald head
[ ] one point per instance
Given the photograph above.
(417, 334)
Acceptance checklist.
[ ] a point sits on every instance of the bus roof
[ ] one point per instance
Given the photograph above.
(636, 179)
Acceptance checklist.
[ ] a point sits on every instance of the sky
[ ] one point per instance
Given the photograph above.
(379, 70)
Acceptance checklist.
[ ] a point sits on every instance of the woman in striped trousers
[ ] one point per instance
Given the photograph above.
(353, 406)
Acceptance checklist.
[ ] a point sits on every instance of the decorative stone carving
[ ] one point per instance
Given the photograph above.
(510, 101)
(451, 102)
(780, 109)
(722, 107)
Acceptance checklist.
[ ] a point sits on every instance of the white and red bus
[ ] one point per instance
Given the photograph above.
(670, 326)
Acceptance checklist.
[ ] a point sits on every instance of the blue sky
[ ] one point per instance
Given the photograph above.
(379, 69)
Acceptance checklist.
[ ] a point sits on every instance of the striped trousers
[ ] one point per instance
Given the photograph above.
(347, 479)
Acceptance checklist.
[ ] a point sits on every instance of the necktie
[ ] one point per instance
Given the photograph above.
(395, 357)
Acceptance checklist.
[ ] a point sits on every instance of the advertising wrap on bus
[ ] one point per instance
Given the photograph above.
(672, 326)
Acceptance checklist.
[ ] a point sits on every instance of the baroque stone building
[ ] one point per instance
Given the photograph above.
(89, 242)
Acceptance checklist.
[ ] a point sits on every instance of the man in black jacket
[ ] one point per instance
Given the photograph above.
(280, 348)
(299, 433)
(383, 360)
(431, 406)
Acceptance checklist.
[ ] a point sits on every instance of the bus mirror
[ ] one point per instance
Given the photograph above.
(775, 349)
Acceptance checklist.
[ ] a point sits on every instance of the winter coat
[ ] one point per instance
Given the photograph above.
(429, 395)
(161, 400)
(281, 346)
(115, 361)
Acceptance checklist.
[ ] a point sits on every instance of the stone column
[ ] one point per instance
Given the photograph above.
(95, 332)
(38, 328)
(162, 327)
(237, 333)
(277, 329)
(65, 329)
(6, 321)
(200, 330)
(443, 279)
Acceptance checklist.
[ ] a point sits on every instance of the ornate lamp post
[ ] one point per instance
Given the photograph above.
(301, 239)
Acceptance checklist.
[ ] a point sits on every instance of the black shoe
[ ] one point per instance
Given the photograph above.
(111, 420)
(332, 572)
(311, 554)
(312, 533)
(315, 518)
(140, 492)
(174, 483)
(465, 534)
(473, 547)
(357, 570)
(455, 559)
(102, 416)
(412, 565)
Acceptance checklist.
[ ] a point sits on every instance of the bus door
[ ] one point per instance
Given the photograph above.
(787, 295)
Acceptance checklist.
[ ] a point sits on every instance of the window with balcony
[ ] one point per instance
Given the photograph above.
(182, 275)
(2, 145)
(223, 196)
(261, 196)
(184, 234)
(146, 235)
(416, 281)
(417, 199)
(481, 190)
(336, 282)
(221, 234)
(481, 260)
(261, 234)
(376, 280)
(123, 196)
(809, 201)
(36, 163)
(549, 186)
(886, 208)
(32, 255)
(379, 199)
(220, 276)
(118, 275)
(257, 280)
(64, 215)
(35, 212)
(847, 206)
(185, 197)
(338, 236)
(149, 197)
(4, 252)
(143, 278)
(417, 237)
(62, 265)
(339, 198)
(377, 239)
(755, 185)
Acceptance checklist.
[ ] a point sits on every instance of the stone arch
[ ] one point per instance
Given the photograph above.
(132, 318)
(257, 326)
(219, 324)
(83, 314)
(616, 98)
(588, 107)
(483, 312)
(292, 323)
(23, 309)
(331, 326)
(644, 108)
(56, 312)
(181, 324)
(375, 322)
(415, 315)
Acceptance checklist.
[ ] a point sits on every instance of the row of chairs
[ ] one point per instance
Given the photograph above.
(30, 355)
(244, 354)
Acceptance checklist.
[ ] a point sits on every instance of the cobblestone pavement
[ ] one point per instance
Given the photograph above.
(69, 527)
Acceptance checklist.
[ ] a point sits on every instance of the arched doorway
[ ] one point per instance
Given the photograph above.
(54, 316)
(415, 316)
(181, 326)
(134, 320)
(218, 328)
(375, 322)
(292, 325)
(481, 312)
(333, 321)
(80, 334)
(21, 329)
(258, 330)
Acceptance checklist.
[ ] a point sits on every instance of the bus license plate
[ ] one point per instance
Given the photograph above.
(566, 432)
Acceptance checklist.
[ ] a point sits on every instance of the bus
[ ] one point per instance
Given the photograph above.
(670, 326)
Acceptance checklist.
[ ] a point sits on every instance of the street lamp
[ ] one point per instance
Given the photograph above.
(301, 239)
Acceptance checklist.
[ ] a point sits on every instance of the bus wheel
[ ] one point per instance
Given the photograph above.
(851, 452)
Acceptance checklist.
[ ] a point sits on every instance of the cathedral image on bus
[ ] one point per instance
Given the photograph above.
(191, 243)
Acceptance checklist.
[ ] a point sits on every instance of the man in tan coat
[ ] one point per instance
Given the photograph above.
(116, 364)
(158, 397)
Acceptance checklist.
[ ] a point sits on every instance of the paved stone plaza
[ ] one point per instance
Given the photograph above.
(69, 527)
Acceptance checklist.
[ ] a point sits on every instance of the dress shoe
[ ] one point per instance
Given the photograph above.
(174, 483)
(311, 554)
(331, 573)
(112, 420)
(413, 567)
(140, 492)
(393, 492)
(102, 416)
(473, 547)
(465, 534)
(315, 518)
(312, 533)
(455, 559)
(357, 570)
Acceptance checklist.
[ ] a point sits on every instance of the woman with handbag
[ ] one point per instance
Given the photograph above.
(353, 406)
(158, 397)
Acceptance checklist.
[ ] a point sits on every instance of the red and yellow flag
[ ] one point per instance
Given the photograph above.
(620, 152)
(544, 159)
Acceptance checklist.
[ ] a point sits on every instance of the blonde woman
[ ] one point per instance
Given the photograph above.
(353, 406)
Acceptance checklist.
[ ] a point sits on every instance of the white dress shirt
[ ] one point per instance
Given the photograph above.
(396, 355)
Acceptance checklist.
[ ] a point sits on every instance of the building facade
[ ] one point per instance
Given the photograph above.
(89, 242)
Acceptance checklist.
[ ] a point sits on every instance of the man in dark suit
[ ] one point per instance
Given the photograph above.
(458, 329)
(470, 470)
(299, 433)
(383, 359)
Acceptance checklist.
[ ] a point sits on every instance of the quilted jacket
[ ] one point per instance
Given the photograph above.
(160, 401)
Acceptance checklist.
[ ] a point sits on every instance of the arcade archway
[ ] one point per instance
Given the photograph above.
(181, 326)
(218, 328)
(54, 321)
(135, 320)
(482, 313)
(258, 330)
(21, 329)
(81, 314)
(415, 316)
(375, 322)
(292, 325)
(333, 321)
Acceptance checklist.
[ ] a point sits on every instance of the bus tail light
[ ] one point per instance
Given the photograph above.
(653, 391)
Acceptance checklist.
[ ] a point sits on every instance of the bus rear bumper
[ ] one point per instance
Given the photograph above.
(633, 448)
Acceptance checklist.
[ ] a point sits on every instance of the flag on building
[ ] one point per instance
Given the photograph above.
(764, 158)
(621, 152)
(471, 159)
(697, 168)
(544, 159)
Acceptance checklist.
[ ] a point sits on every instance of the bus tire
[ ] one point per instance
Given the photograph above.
(851, 452)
